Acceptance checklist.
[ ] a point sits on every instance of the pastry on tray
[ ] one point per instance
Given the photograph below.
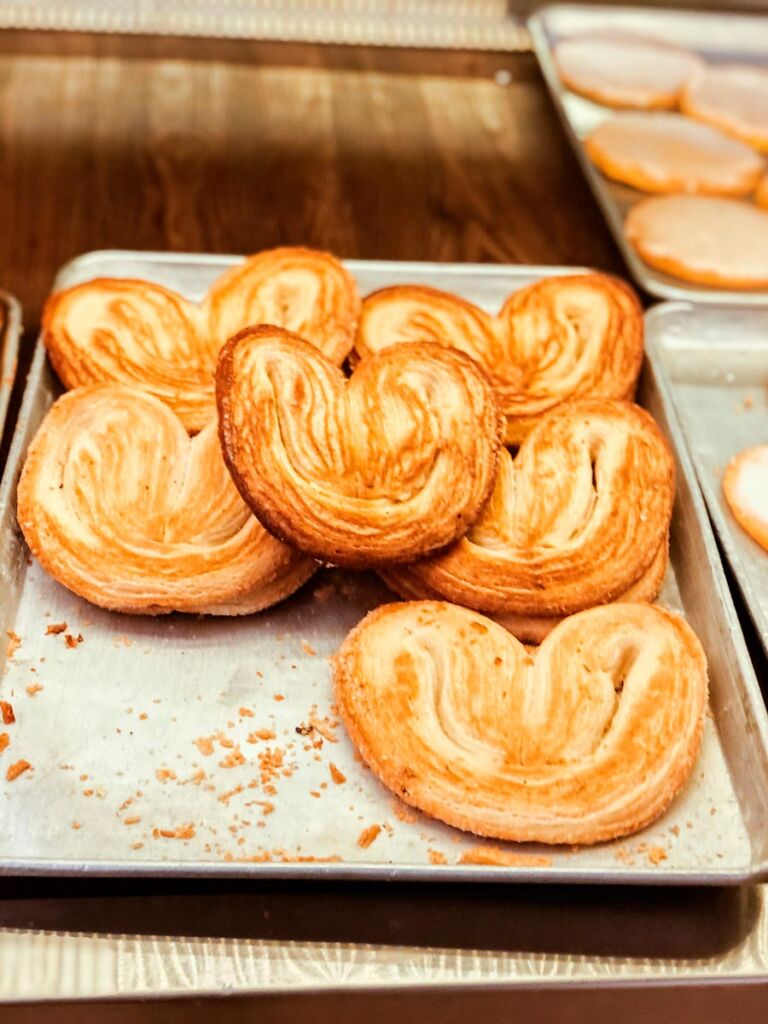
(579, 517)
(672, 153)
(733, 97)
(722, 243)
(745, 485)
(622, 70)
(587, 738)
(761, 196)
(386, 466)
(143, 335)
(122, 507)
(556, 339)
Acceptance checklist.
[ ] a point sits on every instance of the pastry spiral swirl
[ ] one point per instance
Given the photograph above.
(585, 739)
(559, 338)
(143, 335)
(122, 507)
(387, 466)
(578, 518)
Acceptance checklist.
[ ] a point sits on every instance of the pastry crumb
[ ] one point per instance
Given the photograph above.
(232, 760)
(338, 776)
(6, 710)
(5, 739)
(245, 712)
(260, 734)
(205, 745)
(494, 856)
(16, 769)
(278, 696)
(76, 825)
(435, 857)
(72, 641)
(55, 628)
(133, 820)
(136, 846)
(656, 854)
(163, 774)
(182, 832)
(34, 688)
(307, 647)
(14, 643)
(368, 836)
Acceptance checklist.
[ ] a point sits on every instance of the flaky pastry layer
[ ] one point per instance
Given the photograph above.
(580, 516)
(560, 338)
(122, 507)
(587, 738)
(143, 335)
(386, 466)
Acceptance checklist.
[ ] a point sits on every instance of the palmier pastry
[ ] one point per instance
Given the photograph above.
(622, 70)
(391, 464)
(121, 506)
(733, 97)
(745, 486)
(671, 153)
(143, 335)
(554, 340)
(718, 242)
(580, 516)
(588, 738)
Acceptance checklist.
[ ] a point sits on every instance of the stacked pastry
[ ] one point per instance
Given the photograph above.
(697, 133)
(496, 462)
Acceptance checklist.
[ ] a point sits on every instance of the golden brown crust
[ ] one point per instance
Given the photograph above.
(672, 153)
(625, 71)
(123, 508)
(557, 339)
(586, 739)
(761, 195)
(722, 243)
(579, 517)
(395, 462)
(143, 335)
(732, 97)
(745, 486)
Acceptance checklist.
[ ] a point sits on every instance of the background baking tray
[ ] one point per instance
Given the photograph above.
(713, 364)
(10, 333)
(717, 37)
(120, 785)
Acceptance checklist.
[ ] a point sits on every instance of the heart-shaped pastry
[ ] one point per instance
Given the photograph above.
(386, 466)
(122, 507)
(580, 516)
(560, 338)
(143, 335)
(585, 739)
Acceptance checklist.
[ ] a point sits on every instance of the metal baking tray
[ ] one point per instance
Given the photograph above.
(716, 36)
(712, 363)
(10, 333)
(112, 736)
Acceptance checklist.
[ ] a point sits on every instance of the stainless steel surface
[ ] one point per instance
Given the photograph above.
(10, 333)
(112, 733)
(713, 363)
(716, 36)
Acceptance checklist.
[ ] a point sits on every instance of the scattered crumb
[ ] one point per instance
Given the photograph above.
(260, 734)
(245, 712)
(205, 745)
(72, 641)
(136, 846)
(76, 825)
(325, 727)
(232, 760)
(182, 832)
(403, 812)
(277, 696)
(143, 716)
(226, 797)
(34, 688)
(122, 641)
(748, 402)
(338, 776)
(55, 628)
(315, 794)
(6, 710)
(656, 854)
(435, 857)
(134, 820)
(162, 774)
(14, 643)
(495, 856)
(5, 739)
(225, 741)
(368, 836)
(675, 830)
(17, 769)
(308, 648)
(87, 792)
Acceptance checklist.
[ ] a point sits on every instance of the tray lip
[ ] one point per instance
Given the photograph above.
(11, 335)
(720, 522)
(754, 872)
(650, 280)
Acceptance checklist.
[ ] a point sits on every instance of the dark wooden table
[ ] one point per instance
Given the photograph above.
(233, 147)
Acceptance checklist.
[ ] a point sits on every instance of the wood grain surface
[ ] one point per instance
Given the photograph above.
(390, 154)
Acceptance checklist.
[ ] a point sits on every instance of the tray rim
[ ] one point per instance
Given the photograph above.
(660, 286)
(11, 337)
(45, 867)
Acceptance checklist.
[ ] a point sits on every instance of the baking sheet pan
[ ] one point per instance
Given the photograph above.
(713, 363)
(718, 37)
(121, 786)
